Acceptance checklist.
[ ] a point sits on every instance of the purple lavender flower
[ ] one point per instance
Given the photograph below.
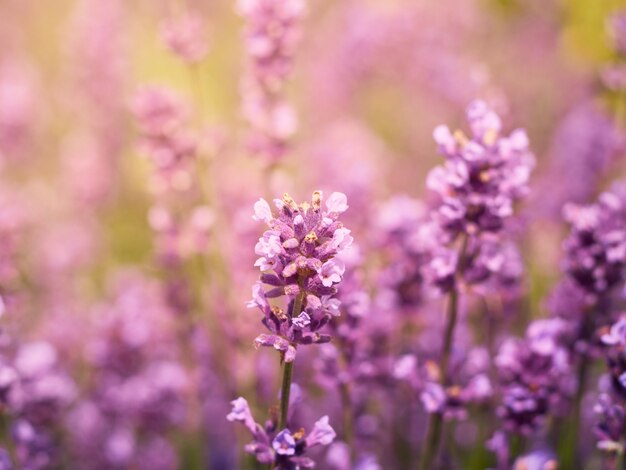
(584, 147)
(472, 385)
(614, 341)
(297, 258)
(482, 176)
(272, 34)
(285, 449)
(407, 241)
(595, 251)
(534, 375)
(138, 387)
(536, 460)
(611, 425)
(185, 36)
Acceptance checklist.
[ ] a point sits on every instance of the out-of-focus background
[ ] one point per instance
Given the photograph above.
(126, 258)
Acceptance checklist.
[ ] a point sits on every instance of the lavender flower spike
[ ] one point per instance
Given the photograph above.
(297, 258)
(481, 179)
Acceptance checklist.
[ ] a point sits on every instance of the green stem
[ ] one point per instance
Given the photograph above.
(346, 402)
(518, 445)
(284, 394)
(288, 369)
(570, 452)
(435, 422)
(431, 446)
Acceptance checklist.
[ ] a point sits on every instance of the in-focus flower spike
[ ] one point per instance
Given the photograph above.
(298, 260)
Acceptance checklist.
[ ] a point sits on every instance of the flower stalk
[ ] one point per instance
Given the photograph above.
(435, 423)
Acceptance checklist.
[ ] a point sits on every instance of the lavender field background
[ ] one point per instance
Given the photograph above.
(333, 234)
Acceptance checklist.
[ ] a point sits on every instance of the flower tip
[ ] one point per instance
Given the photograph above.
(337, 203)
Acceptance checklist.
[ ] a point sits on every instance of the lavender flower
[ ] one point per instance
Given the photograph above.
(298, 260)
(610, 407)
(584, 148)
(534, 375)
(482, 178)
(595, 251)
(610, 426)
(536, 460)
(483, 175)
(285, 450)
(407, 241)
(472, 385)
(136, 393)
(272, 34)
(185, 36)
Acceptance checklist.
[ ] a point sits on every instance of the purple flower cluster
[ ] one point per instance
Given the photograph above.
(138, 387)
(185, 36)
(610, 425)
(37, 402)
(271, 37)
(180, 222)
(297, 257)
(407, 240)
(534, 374)
(610, 406)
(483, 174)
(482, 178)
(163, 119)
(472, 386)
(595, 250)
(284, 449)
(584, 148)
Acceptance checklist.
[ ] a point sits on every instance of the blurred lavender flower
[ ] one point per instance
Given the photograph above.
(610, 426)
(137, 391)
(584, 147)
(163, 117)
(18, 89)
(272, 34)
(407, 241)
(98, 65)
(38, 394)
(481, 180)
(595, 251)
(185, 36)
(483, 175)
(536, 460)
(534, 373)
(472, 385)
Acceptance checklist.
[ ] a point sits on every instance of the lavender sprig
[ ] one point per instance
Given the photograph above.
(297, 258)
(481, 179)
